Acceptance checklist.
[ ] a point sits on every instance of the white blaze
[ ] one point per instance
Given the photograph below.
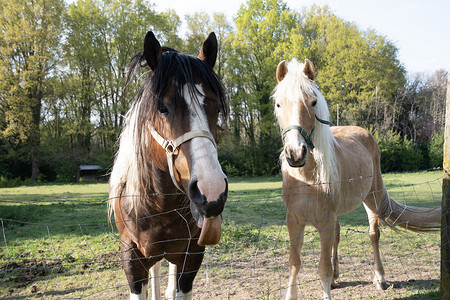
(292, 137)
(205, 164)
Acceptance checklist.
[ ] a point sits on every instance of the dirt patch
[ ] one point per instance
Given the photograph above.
(26, 271)
(253, 273)
(266, 277)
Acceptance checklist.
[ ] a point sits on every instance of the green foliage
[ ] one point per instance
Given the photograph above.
(65, 173)
(357, 70)
(30, 36)
(263, 29)
(437, 149)
(9, 182)
(400, 154)
(62, 72)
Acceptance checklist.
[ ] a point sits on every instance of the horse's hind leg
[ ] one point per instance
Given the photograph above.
(374, 234)
(136, 271)
(335, 259)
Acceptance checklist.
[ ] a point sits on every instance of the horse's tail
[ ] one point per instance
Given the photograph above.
(418, 219)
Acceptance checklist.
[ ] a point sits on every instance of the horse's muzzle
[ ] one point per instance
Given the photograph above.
(207, 213)
(207, 207)
(296, 156)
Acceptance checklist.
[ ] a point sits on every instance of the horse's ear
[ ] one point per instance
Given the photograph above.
(208, 52)
(282, 70)
(152, 50)
(308, 69)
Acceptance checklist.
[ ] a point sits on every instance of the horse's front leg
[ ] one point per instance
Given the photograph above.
(155, 281)
(296, 231)
(136, 270)
(171, 290)
(335, 259)
(327, 235)
(185, 267)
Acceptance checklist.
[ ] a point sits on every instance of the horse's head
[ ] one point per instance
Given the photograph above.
(186, 99)
(297, 103)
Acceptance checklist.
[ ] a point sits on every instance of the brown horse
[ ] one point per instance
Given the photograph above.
(167, 188)
(328, 172)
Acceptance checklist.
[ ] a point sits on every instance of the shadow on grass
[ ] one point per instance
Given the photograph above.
(43, 295)
(399, 285)
(418, 285)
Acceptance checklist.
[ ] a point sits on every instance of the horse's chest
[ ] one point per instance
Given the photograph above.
(306, 202)
(160, 235)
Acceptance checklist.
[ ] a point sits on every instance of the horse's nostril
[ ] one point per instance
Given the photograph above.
(194, 193)
(288, 153)
(304, 151)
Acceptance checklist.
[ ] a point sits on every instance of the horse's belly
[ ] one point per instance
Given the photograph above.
(347, 203)
(352, 193)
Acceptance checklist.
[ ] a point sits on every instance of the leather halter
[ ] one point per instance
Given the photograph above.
(303, 132)
(172, 146)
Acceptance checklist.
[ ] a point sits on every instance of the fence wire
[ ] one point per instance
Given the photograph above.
(75, 253)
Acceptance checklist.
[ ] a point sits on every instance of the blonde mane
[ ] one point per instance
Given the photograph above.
(294, 87)
(124, 173)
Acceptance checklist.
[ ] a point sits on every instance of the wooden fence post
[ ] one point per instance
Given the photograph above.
(445, 219)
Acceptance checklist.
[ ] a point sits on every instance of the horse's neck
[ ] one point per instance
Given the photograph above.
(161, 184)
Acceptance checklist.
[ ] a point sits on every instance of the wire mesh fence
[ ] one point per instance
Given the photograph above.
(59, 245)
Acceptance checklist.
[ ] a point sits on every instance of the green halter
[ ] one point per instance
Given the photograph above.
(304, 133)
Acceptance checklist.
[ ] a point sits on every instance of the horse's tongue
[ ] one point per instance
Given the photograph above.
(211, 231)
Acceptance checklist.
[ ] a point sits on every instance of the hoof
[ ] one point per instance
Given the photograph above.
(335, 285)
(381, 286)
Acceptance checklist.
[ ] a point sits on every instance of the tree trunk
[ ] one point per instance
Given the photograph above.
(445, 219)
(77, 173)
(35, 133)
(34, 163)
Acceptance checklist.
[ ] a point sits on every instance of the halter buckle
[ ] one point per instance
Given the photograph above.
(169, 146)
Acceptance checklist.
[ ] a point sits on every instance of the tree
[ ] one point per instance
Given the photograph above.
(101, 38)
(127, 23)
(421, 106)
(29, 42)
(263, 29)
(199, 25)
(438, 84)
(85, 24)
(357, 70)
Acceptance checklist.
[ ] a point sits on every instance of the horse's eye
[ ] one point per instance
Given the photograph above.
(278, 105)
(163, 109)
(314, 102)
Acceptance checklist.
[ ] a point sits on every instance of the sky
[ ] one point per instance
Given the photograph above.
(419, 28)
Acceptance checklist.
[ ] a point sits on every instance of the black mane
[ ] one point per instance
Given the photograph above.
(184, 69)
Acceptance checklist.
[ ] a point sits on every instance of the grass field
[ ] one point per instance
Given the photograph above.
(56, 243)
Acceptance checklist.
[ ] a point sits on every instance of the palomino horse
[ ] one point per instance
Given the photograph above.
(167, 188)
(328, 172)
